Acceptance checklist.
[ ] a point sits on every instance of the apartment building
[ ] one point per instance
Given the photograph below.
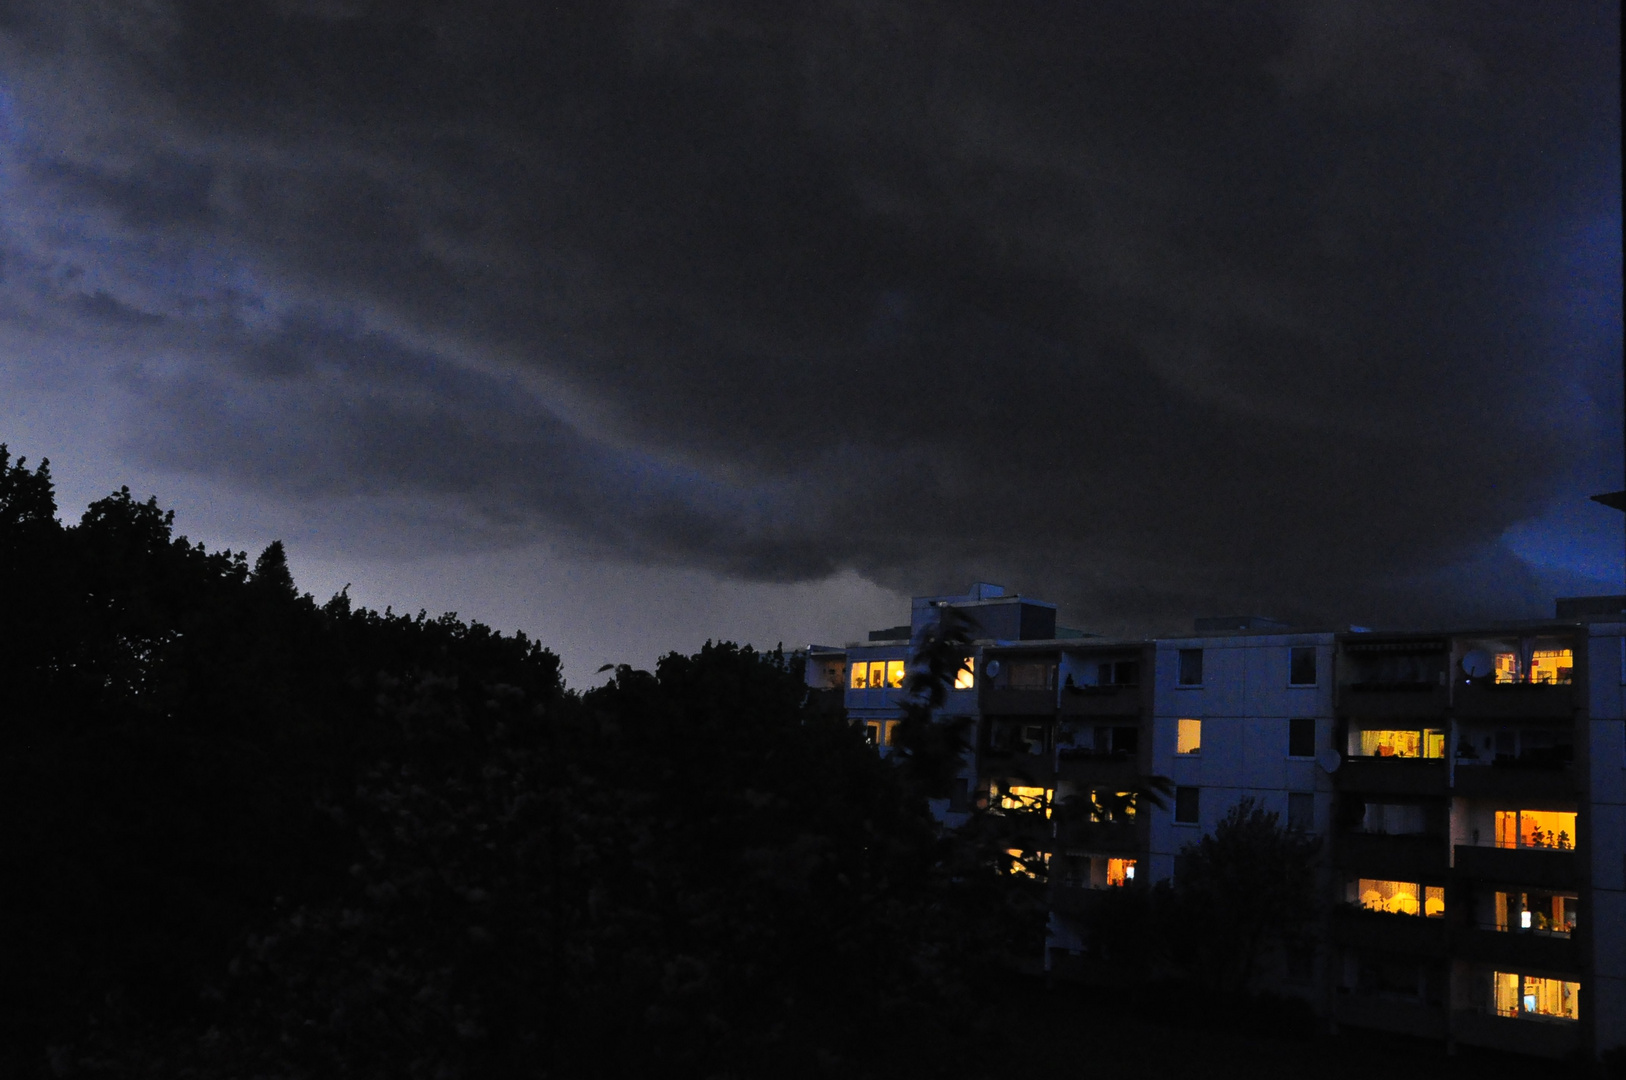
(1468, 786)
(1480, 835)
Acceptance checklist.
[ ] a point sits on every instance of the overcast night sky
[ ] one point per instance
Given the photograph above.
(633, 323)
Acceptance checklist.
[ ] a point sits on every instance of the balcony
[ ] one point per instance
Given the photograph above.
(1105, 770)
(1006, 701)
(1387, 701)
(1395, 858)
(1515, 701)
(1548, 868)
(1516, 782)
(1542, 1038)
(1394, 1014)
(1017, 765)
(1518, 950)
(1111, 701)
(1410, 934)
(1392, 776)
(1101, 837)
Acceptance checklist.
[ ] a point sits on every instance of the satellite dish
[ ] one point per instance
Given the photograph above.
(992, 669)
(1478, 663)
(1329, 760)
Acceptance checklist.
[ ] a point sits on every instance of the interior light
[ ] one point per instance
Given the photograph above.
(1524, 920)
(1129, 871)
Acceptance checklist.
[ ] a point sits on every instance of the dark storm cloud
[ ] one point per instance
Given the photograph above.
(1290, 308)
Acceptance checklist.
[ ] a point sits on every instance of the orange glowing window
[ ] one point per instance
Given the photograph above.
(1025, 798)
(1028, 863)
(1535, 829)
(860, 677)
(1189, 737)
(1530, 995)
(1429, 743)
(1120, 871)
(965, 678)
(1552, 666)
(894, 674)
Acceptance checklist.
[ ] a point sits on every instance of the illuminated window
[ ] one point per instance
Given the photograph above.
(1541, 913)
(1025, 798)
(965, 678)
(888, 729)
(1120, 871)
(1552, 666)
(860, 677)
(1028, 863)
(872, 733)
(1528, 995)
(1191, 667)
(1189, 737)
(1401, 897)
(1301, 665)
(1403, 744)
(1507, 667)
(1535, 829)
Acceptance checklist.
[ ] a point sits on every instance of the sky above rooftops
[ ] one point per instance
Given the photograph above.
(633, 324)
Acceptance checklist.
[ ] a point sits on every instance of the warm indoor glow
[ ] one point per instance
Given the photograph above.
(877, 675)
(1189, 736)
(1539, 912)
(1535, 829)
(1400, 897)
(1026, 798)
(1120, 871)
(965, 678)
(1552, 666)
(1529, 995)
(1403, 744)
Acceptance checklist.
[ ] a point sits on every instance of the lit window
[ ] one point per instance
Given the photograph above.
(1552, 666)
(1403, 744)
(1191, 667)
(1189, 737)
(894, 674)
(1401, 897)
(889, 729)
(860, 677)
(1301, 665)
(1535, 829)
(1028, 863)
(1528, 995)
(1507, 667)
(1025, 798)
(965, 678)
(872, 733)
(1120, 871)
(1542, 913)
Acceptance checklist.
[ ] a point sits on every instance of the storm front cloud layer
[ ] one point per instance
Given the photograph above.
(1153, 310)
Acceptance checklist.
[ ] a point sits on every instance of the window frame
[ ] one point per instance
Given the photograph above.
(1301, 720)
(1180, 669)
(1196, 819)
(1315, 665)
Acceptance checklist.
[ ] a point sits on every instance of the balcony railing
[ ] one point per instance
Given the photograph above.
(1392, 775)
(1553, 868)
(1526, 701)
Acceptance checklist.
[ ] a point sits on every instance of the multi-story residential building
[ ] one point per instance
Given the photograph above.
(1480, 835)
(1469, 787)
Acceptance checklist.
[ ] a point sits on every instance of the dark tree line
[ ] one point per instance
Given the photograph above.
(249, 834)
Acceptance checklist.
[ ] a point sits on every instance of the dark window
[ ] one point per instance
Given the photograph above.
(1300, 812)
(1125, 740)
(1301, 665)
(1191, 667)
(1185, 805)
(1301, 738)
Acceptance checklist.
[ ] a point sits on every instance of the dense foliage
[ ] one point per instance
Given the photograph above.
(254, 835)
